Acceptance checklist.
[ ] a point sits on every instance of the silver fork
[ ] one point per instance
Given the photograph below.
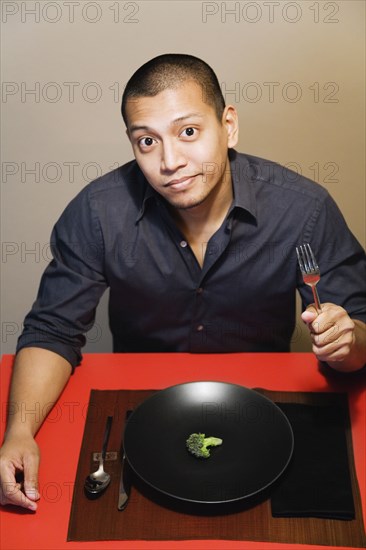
(310, 271)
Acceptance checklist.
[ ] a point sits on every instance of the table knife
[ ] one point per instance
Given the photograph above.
(124, 489)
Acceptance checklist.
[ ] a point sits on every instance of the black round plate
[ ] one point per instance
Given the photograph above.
(257, 442)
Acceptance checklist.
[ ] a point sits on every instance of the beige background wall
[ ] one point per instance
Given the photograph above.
(294, 70)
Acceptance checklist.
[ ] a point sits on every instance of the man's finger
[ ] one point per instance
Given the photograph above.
(12, 494)
(309, 316)
(31, 465)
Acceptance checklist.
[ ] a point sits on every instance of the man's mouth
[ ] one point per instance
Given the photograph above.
(180, 183)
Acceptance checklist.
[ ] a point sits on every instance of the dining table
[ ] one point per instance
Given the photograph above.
(60, 437)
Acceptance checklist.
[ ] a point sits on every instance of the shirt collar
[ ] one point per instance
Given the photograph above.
(147, 196)
(242, 178)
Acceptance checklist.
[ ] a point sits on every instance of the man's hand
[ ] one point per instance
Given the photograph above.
(19, 454)
(337, 339)
(39, 376)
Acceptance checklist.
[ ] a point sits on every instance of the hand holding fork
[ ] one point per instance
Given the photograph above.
(338, 339)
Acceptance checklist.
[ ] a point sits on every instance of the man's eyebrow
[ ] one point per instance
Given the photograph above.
(190, 115)
(135, 127)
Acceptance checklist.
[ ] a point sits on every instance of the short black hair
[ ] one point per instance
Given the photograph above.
(170, 71)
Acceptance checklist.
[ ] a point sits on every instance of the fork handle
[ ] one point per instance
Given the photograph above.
(318, 307)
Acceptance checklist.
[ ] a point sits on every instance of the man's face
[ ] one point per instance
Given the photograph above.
(180, 145)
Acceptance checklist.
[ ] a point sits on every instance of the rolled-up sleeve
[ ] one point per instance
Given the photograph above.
(71, 285)
(341, 260)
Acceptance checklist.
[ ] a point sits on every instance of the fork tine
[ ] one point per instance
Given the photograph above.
(315, 265)
(307, 258)
(299, 259)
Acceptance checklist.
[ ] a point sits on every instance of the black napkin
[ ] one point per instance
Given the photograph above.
(317, 482)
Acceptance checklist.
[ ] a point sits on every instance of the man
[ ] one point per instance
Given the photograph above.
(197, 245)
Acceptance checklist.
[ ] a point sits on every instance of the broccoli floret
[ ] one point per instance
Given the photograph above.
(198, 444)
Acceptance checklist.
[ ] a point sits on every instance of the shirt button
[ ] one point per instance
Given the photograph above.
(183, 244)
(199, 290)
(200, 328)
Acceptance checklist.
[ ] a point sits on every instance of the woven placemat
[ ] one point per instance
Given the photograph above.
(153, 516)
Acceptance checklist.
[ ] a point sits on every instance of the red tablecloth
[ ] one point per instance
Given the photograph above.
(60, 436)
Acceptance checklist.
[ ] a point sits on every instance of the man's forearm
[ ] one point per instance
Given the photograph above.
(39, 377)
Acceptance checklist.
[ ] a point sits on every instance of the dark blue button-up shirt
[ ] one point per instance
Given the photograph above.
(118, 233)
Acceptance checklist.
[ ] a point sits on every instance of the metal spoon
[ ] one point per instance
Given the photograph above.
(98, 481)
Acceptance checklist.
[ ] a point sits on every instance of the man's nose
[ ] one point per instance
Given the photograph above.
(172, 157)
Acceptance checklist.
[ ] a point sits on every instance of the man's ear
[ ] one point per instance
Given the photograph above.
(231, 122)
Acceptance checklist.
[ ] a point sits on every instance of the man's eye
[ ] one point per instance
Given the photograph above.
(146, 142)
(189, 132)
